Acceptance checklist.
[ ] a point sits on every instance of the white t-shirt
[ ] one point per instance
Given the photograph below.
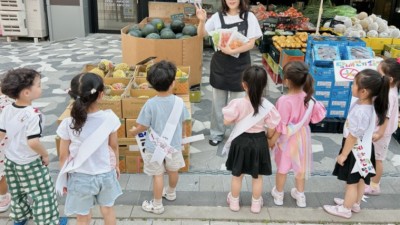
(358, 120)
(253, 30)
(18, 149)
(99, 162)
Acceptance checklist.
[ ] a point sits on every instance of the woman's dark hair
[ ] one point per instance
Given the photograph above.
(243, 6)
(297, 73)
(85, 88)
(255, 78)
(391, 67)
(16, 80)
(378, 86)
(161, 75)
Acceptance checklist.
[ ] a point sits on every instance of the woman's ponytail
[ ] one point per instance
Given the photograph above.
(308, 88)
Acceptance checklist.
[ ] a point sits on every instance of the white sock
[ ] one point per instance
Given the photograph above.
(157, 202)
(170, 190)
(2, 197)
(300, 193)
(255, 200)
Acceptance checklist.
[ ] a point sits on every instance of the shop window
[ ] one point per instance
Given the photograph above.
(115, 14)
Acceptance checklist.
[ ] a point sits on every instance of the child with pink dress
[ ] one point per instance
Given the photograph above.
(391, 68)
(254, 118)
(293, 136)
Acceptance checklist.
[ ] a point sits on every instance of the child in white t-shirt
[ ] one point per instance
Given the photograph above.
(88, 152)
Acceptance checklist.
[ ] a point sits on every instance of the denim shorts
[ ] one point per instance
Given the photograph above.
(84, 191)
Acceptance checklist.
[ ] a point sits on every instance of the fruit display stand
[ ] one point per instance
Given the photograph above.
(186, 51)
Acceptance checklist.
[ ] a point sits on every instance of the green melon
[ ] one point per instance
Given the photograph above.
(165, 29)
(148, 29)
(157, 23)
(135, 33)
(134, 27)
(167, 25)
(153, 36)
(178, 35)
(185, 36)
(177, 26)
(168, 35)
(189, 30)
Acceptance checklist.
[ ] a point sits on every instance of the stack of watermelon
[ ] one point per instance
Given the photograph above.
(157, 29)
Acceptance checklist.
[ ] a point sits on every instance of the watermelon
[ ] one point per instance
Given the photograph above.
(178, 35)
(157, 23)
(177, 26)
(153, 36)
(167, 25)
(189, 30)
(167, 35)
(148, 29)
(135, 33)
(134, 27)
(165, 29)
(185, 36)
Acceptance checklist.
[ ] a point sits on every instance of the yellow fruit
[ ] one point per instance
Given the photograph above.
(98, 72)
(119, 73)
(122, 66)
(178, 73)
(105, 65)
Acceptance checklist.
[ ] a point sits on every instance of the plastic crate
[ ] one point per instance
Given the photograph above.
(323, 83)
(339, 104)
(322, 93)
(336, 113)
(354, 41)
(322, 73)
(391, 51)
(288, 55)
(378, 44)
(324, 101)
(340, 94)
(274, 53)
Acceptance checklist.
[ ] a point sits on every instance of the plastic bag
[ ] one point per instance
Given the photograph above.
(236, 40)
(225, 35)
(216, 36)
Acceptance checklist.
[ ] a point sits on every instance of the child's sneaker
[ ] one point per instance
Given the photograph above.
(300, 197)
(338, 210)
(5, 202)
(149, 207)
(355, 208)
(168, 196)
(232, 202)
(256, 205)
(372, 191)
(22, 222)
(278, 197)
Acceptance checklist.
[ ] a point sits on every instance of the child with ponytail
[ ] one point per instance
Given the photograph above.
(247, 144)
(88, 153)
(293, 136)
(391, 68)
(356, 160)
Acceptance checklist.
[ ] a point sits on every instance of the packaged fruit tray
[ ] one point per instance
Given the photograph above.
(324, 55)
(358, 52)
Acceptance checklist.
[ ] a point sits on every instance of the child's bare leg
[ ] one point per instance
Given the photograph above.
(173, 177)
(379, 171)
(257, 184)
(3, 186)
(83, 219)
(280, 181)
(236, 185)
(300, 181)
(158, 185)
(360, 191)
(350, 197)
(108, 215)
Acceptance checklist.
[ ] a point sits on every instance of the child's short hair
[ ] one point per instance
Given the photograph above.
(17, 80)
(161, 75)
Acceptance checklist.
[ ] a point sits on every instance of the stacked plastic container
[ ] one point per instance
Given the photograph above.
(321, 51)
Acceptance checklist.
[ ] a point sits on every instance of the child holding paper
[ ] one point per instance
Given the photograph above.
(162, 118)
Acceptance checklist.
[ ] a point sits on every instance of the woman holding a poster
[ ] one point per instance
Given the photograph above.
(226, 69)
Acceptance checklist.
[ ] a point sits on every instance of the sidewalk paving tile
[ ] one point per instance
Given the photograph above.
(298, 214)
(210, 183)
(385, 201)
(223, 223)
(128, 197)
(195, 222)
(226, 182)
(202, 199)
(182, 198)
(123, 180)
(166, 222)
(323, 184)
(188, 182)
(141, 182)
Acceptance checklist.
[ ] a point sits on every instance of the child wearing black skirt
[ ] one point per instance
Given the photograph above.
(247, 144)
(355, 165)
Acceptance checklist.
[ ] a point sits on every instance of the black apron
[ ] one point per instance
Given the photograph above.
(226, 70)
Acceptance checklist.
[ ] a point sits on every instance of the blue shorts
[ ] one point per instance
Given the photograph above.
(84, 191)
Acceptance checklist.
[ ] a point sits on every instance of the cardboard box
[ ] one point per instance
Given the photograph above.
(65, 114)
(131, 107)
(58, 139)
(134, 164)
(122, 163)
(129, 124)
(179, 51)
(121, 132)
